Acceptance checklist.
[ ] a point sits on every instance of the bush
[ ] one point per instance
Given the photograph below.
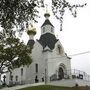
(1, 86)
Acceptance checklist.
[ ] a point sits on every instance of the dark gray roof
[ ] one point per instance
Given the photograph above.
(48, 40)
(47, 22)
(31, 43)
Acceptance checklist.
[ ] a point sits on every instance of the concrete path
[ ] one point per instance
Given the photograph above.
(22, 86)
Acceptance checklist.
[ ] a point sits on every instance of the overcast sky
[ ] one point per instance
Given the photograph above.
(75, 35)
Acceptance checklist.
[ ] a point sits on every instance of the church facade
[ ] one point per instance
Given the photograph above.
(50, 62)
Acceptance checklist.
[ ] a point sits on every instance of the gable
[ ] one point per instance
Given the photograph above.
(48, 40)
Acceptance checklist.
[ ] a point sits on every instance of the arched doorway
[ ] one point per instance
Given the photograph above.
(60, 73)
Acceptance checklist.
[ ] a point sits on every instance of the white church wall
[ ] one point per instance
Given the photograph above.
(45, 60)
(38, 58)
(17, 72)
(30, 74)
(63, 57)
(53, 65)
(48, 61)
(55, 59)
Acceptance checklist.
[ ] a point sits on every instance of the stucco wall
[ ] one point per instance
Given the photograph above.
(55, 59)
(17, 72)
(38, 58)
(49, 61)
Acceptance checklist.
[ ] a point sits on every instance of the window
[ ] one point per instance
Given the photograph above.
(11, 77)
(21, 71)
(51, 29)
(59, 49)
(36, 68)
(43, 29)
(16, 78)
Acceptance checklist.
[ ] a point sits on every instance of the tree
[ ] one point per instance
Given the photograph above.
(20, 12)
(17, 12)
(13, 54)
(59, 6)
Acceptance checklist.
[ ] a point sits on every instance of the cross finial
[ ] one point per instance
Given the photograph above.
(47, 15)
(46, 7)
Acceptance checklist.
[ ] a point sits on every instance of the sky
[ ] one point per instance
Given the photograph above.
(75, 35)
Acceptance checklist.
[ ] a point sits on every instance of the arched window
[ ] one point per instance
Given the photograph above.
(11, 77)
(21, 71)
(43, 29)
(59, 49)
(36, 68)
(51, 29)
(16, 78)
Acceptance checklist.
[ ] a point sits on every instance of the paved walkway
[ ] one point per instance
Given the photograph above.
(22, 86)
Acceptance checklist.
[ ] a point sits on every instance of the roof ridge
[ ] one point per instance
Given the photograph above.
(47, 22)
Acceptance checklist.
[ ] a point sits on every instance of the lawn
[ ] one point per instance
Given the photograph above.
(43, 87)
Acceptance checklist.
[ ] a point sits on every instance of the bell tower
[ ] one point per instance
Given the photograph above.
(47, 26)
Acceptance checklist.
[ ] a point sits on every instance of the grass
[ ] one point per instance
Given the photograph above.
(43, 87)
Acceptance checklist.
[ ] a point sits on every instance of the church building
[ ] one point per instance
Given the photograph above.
(50, 62)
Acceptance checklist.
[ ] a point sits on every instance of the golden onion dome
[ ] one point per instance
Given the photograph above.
(46, 14)
(31, 30)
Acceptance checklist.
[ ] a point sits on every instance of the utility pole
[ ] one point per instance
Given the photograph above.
(46, 72)
(45, 76)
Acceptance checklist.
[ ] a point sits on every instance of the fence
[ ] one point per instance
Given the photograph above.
(80, 75)
(72, 74)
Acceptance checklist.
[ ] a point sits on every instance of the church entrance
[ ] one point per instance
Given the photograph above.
(60, 73)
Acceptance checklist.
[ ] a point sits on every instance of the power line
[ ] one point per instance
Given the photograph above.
(68, 56)
(80, 53)
(71, 55)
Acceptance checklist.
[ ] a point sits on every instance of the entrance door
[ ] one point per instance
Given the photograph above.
(60, 73)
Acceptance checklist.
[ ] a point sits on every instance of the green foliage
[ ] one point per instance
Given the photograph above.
(13, 54)
(20, 12)
(17, 12)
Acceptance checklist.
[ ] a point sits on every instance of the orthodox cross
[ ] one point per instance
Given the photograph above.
(46, 8)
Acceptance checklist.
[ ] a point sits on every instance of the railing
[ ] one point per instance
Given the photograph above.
(72, 74)
(80, 75)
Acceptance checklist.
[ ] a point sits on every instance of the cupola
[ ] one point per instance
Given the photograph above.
(31, 31)
(47, 26)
